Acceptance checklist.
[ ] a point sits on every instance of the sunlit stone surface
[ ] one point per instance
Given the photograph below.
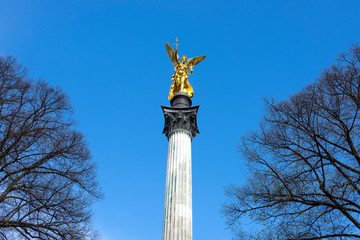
(178, 192)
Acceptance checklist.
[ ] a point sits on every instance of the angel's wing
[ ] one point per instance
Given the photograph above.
(195, 60)
(172, 54)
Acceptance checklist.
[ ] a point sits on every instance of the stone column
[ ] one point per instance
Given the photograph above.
(180, 128)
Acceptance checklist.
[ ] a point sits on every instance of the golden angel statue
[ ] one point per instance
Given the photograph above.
(180, 77)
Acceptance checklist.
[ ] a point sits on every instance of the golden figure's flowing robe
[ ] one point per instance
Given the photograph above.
(180, 82)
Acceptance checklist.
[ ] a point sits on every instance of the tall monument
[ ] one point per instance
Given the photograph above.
(180, 128)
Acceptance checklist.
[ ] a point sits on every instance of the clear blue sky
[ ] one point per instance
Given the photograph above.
(110, 57)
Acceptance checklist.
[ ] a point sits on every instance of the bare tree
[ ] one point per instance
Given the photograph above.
(305, 162)
(47, 176)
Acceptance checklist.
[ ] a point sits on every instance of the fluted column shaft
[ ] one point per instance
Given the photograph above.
(180, 128)
(178, 190)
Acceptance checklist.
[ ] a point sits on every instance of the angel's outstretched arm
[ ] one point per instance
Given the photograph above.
(191, 69)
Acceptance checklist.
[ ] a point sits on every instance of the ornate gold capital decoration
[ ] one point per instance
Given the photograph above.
(180, 77)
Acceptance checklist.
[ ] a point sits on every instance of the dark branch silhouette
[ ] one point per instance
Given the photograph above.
(47, 176)
(304, 162)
